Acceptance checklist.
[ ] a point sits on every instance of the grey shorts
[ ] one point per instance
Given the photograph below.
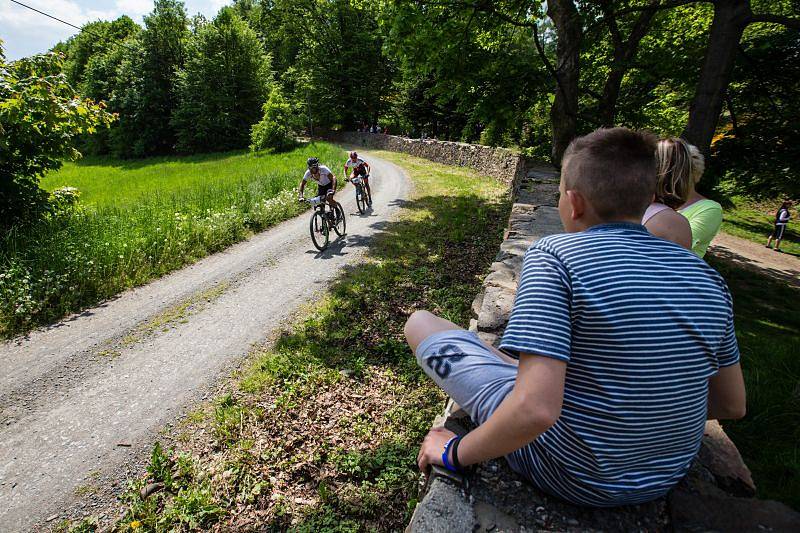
(467, 370)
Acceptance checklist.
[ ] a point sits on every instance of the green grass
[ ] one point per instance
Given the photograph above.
(753, 220)
(320, 432)
(768, 330)
(138, 220)
(123, 183)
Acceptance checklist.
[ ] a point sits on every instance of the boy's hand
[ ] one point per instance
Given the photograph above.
(432, 447)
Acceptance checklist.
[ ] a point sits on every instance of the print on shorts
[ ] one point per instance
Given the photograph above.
(440, 362)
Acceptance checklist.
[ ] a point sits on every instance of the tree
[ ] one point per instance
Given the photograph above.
(731, 17)
(148, 72)
(94, 38)
(327, 55)
(40, 117)
(221, 87)
(277, 128)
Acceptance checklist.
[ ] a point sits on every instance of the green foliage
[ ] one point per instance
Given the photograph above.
(757, 150)
(328, 56)
(147, 95)
(40, 117)
(222, 86)
(184, 503)
(277, 128)
(160, 467)
(94, 39)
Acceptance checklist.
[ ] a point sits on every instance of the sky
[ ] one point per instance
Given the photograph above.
(25, 32)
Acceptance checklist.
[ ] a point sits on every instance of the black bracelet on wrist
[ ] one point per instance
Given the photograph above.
(456, 462)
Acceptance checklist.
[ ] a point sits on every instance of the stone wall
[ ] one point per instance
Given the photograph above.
(502, 164)
(716, 495)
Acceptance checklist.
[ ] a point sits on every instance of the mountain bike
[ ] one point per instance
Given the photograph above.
(363, 197)
(323, 220)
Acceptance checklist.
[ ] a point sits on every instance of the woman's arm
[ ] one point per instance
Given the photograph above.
(672, 226)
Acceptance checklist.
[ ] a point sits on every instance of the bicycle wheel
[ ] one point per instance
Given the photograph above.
(361, 201)
(340, 226)
(319, 231)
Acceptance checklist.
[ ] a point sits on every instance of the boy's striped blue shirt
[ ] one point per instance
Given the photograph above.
(642, 324)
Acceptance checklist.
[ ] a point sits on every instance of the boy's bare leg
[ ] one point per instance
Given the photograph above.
(422, 324)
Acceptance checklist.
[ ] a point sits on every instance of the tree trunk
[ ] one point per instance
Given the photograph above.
(564, 111)
(624, 52)
(731, 17)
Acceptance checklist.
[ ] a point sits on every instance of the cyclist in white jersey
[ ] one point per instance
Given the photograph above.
(359, 168)
(326, 182)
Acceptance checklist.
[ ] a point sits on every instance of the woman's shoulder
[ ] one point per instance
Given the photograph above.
(672, 226)
(704, 206)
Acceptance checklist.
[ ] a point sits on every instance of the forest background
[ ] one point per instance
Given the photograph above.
(531, 75)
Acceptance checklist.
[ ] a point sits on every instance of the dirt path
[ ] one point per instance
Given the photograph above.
(748, 254)
(84, 397)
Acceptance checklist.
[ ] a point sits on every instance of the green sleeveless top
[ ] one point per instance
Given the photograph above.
(705, 218)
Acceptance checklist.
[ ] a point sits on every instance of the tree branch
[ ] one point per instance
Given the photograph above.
(789, 22)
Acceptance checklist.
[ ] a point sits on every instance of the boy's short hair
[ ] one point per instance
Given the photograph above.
(615, 169)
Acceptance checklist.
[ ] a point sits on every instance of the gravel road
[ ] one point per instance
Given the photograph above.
(81, 398)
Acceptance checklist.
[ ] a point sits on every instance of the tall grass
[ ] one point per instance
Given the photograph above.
(140, 223)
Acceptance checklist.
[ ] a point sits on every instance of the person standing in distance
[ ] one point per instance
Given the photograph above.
(781, 220)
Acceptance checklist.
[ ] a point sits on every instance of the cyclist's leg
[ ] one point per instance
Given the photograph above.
(333, 204)
(369, 191)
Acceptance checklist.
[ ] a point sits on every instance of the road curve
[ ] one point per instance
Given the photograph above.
(72, 393)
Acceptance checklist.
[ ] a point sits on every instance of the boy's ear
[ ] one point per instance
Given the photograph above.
(577, 204)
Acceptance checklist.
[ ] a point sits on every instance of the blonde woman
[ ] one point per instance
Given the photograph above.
(672, 190)
(704, 215)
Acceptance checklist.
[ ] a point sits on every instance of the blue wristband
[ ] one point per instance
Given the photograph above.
(446, 452)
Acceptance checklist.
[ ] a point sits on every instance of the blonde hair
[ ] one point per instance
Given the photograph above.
(698, 163)
(674, 171)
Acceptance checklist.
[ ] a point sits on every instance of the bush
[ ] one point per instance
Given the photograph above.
(276, 130)
(40, 117)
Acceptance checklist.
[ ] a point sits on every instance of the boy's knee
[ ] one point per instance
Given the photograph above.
(413, 329)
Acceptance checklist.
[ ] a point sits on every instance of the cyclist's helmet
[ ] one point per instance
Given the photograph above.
(353, 155)
(313, 163)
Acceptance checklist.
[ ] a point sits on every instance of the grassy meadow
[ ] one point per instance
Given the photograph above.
(139, 219)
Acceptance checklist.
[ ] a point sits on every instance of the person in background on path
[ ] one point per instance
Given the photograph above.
(674, 179)
(704, 215)
(781, 220)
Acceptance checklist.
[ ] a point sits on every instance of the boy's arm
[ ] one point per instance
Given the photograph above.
(532, 407)
(726, 394)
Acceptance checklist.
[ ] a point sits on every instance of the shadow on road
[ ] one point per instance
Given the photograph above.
(433, 258)
(789, 277)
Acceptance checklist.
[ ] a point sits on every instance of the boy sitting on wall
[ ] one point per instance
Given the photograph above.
(622, 345)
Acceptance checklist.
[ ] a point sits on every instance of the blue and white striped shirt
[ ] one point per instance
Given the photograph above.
(642, 324)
